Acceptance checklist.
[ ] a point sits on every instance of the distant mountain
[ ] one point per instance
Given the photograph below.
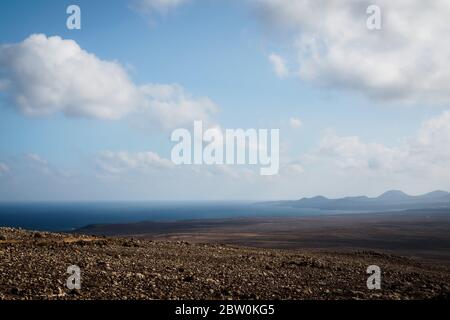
(390, 200)
(394, 195)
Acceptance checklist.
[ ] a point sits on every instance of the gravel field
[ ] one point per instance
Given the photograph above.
(33, 265)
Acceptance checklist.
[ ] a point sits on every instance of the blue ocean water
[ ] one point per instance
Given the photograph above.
(69, 216)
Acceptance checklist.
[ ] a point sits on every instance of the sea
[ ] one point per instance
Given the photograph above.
(70, 216)
(51, 216)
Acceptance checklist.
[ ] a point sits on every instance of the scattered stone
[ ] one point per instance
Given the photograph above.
(119, 268)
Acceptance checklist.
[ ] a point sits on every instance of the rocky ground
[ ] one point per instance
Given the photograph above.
(33, 265)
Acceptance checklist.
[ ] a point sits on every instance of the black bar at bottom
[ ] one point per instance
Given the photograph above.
(172, 309)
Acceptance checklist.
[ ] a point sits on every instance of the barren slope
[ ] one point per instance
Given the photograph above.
(33, 266)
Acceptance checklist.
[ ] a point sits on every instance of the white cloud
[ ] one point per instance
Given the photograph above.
(159, 6)
(291, 169)
(295, 123)
(37, 159)
(111, 162)
(123, 163)
(427, 154)
(279, 65)
(48, 75)
(45, 75)
(32, 164)
(4, 168)
(35, 163)
(405, 61)
(172, 106)
(345, 165)
(351, 153)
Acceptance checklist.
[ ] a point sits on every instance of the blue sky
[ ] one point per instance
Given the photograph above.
(220, 50)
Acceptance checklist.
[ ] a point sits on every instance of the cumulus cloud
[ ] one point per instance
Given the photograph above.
(278, 65)
(171, 106)
(123, 163)
(118, 162)
(36, 164)
(295, 123)
(32, 165)
(351, 153)
(425, 154)
(159, 6)
(37, 159)
(405, 61)
(46, 75)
